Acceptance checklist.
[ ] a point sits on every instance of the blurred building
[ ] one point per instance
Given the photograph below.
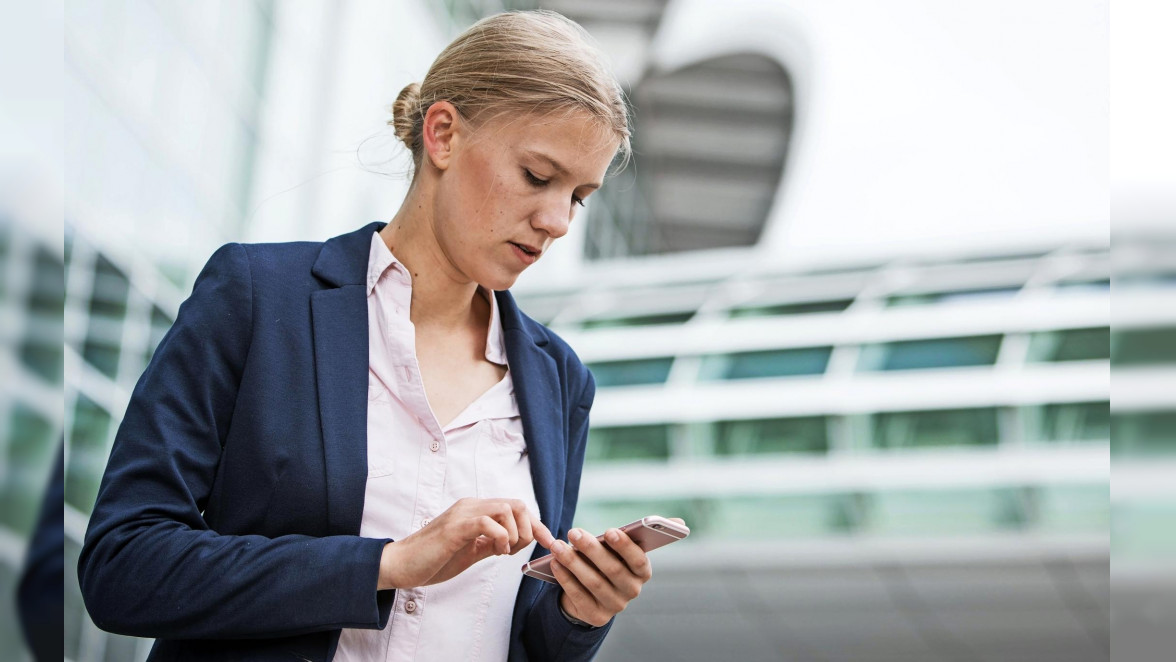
(848, 310)
(30, 406)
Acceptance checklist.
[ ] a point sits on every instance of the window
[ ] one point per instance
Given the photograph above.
(102, 353)
(108, 308)
(636, 442)
(1070, 345)
(631, 373)
(770, 363)
(1077, 421)
(1102, 285)
(26, 454)
(807, 434)
(935, 353)
(110, 290)
(1144, 433)
(783, 516)
(1143, 347)
(1143, 530)
(943, 427)
(639, 320)
(41, 346)
(88, 453)
(946, 512)
(1073, 508)
(926, 298)
(804, 308)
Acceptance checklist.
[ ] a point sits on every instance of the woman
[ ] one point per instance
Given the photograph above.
(338, 447)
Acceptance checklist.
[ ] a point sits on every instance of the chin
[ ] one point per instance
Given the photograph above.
(500, 281)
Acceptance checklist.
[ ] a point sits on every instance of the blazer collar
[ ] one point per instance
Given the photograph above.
(339, 318)
(343, 260)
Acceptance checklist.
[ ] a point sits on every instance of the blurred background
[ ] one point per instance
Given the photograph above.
(849, 309)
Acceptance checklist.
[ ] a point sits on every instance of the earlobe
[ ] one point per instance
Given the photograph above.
(439, 132)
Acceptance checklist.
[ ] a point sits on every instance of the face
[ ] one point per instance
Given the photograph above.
(509, 188)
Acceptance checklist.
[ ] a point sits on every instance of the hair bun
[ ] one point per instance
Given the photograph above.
(406, 112)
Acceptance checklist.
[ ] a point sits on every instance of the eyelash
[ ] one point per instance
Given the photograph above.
(540, 183)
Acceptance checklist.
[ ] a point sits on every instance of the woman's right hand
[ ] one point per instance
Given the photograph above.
(469, 531)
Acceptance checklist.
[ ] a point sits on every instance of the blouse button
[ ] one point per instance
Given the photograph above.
(410, 606)
(435, 446)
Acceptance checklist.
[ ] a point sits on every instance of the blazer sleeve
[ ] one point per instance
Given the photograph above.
(150, 566)
(548, 635)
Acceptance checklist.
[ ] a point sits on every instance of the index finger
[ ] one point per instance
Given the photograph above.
(541, 532)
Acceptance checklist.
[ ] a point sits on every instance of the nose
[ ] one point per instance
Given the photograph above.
(553, 219)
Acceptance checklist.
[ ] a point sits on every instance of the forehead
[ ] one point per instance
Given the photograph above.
(565, 136)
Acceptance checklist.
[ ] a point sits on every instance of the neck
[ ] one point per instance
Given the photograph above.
(441, 296)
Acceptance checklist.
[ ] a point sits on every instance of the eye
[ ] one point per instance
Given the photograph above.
(577, 200)
(533, 180)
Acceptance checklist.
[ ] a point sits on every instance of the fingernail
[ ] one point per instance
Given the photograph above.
(559, 547)
(612, 535)
(574, 535)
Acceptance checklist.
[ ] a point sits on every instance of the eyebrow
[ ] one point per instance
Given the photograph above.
(558, 168)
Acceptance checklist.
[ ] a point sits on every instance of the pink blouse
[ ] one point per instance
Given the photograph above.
(417, 469)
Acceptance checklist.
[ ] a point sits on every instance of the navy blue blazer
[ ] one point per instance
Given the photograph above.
(227, 521)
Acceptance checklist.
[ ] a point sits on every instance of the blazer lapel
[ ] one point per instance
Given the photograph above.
(341, 367)
(538, 388)
(340, 329)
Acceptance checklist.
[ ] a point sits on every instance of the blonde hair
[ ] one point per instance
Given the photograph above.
(520, 61)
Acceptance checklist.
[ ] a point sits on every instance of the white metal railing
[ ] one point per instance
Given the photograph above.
(938, 469)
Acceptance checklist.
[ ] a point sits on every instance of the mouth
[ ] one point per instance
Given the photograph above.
(525, 252)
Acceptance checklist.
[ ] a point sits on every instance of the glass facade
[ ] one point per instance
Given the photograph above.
(631, 373)
(1143, 347)
(767, 363)
(934, 353)
(1074, 421)
(937, 428)
(1070, 345)
(31, 302)
(639, 320)
(636, 442)
(804, 308)
(927, 298)
(809, 434)
(888, 513)
(1143, 433)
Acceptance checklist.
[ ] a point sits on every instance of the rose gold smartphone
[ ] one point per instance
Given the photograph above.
(648, 532)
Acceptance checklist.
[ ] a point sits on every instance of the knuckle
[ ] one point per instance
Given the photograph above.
(596, 584)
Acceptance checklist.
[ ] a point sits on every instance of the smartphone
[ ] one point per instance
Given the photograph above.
(648, 532)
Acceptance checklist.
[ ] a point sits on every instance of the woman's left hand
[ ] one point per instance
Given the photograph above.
(599, 580)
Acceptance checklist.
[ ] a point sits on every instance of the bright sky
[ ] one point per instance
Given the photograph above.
(925, 125)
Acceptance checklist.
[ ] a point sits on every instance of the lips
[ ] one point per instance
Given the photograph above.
(526, 252)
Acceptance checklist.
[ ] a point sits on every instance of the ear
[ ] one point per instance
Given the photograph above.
(439, 132)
